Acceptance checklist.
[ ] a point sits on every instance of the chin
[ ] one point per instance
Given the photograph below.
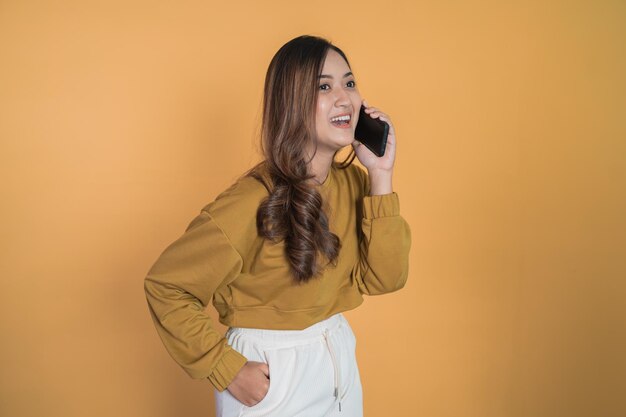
(340, 144)
(337, 140)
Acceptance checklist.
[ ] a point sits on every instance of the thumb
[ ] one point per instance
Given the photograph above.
(265, 369)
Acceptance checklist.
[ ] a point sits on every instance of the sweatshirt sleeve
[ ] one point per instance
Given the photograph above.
(385, 241)
(178, 287)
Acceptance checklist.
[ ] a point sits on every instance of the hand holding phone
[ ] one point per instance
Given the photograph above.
(371, 132)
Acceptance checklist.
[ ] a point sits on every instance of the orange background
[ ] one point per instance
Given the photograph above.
(119, 120)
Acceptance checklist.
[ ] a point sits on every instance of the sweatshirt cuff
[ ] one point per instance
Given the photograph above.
(226, 369)
(383, 205)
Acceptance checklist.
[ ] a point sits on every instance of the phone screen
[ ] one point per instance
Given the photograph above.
(371, 132)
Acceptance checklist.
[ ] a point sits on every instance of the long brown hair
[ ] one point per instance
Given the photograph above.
(293, 211)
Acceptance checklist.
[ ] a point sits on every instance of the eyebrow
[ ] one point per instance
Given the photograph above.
(330, 76)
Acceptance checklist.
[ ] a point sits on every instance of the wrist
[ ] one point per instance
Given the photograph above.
(380, 181)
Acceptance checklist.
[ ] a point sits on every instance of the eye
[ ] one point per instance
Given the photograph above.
(324, 85)
(353, 83)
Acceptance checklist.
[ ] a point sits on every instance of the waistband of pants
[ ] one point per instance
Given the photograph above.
(269, 337)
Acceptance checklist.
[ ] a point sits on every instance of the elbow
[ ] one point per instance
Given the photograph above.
(151, 293)
(403, 272)
(398, 282)
(388, 282)
(398, 274)
(401, 280)
(155, 292)
(397, 277)
(148, 287)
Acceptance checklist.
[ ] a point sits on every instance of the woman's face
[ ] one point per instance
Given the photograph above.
(337, 95)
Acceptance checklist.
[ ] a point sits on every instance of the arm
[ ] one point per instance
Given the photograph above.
(385, 241)
(178, 287)
(384, 236)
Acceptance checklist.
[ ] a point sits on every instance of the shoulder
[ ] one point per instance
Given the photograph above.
(234, 209)
(355, 176)
(244, 194)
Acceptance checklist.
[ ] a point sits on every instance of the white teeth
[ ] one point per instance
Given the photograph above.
(336, 119)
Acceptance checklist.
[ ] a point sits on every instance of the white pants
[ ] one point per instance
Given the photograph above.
(313, 372)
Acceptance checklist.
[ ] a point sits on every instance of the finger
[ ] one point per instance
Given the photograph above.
(385, 118)
(368, 107)
(379, 114)
(382, 114)
(373, 110)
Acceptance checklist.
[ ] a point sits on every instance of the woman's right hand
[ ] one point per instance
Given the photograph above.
(251, 383)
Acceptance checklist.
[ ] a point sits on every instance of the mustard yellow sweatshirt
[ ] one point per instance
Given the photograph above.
(221, 259)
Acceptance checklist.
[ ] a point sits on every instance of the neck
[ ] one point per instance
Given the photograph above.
(320, 165)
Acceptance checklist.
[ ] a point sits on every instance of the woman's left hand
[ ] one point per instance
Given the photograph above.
(367, 157)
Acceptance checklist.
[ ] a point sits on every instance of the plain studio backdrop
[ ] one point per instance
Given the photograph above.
(119, 120)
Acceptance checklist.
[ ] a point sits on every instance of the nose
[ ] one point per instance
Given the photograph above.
(341, 98)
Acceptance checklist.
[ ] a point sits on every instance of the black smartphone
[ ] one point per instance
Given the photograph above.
(371, 132)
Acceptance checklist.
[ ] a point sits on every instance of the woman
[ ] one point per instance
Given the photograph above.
(281, 253)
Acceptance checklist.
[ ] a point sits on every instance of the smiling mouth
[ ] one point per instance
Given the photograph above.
(343, 121)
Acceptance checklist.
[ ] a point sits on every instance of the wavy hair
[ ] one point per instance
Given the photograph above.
(293, 211)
